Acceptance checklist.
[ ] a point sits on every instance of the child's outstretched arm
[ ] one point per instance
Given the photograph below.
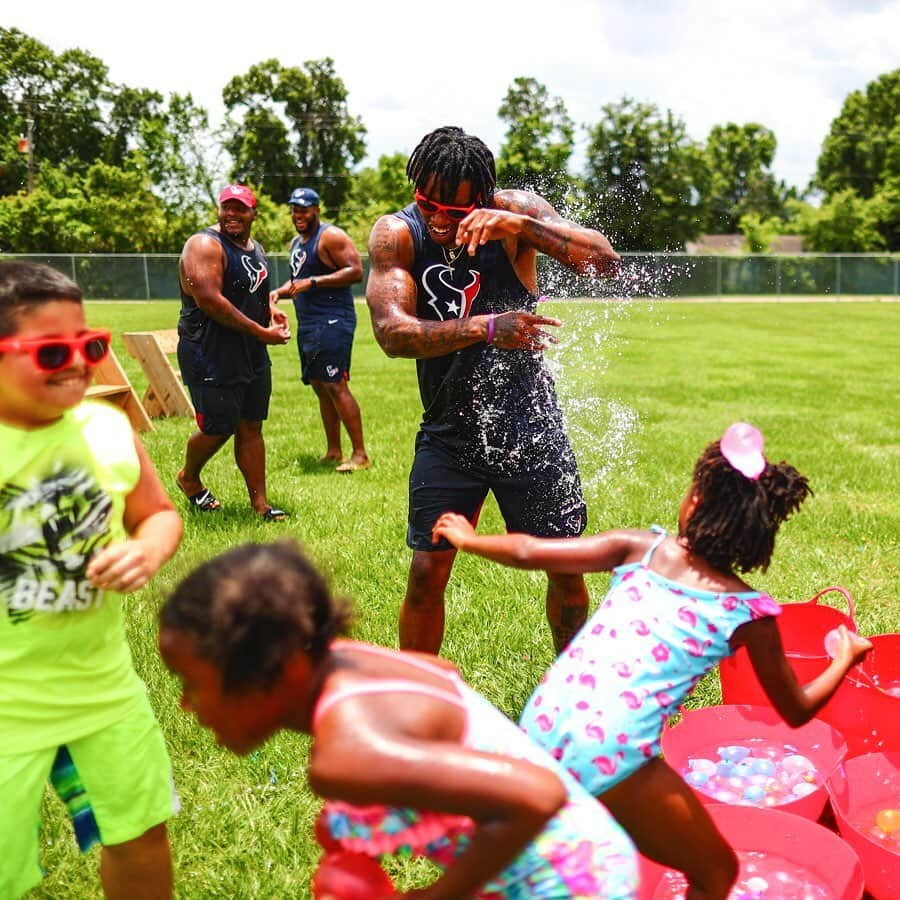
(597, 553)
(796, 703)
(358, 759)
(154, 532)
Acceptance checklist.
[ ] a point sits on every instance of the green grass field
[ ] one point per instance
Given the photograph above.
(645, 386)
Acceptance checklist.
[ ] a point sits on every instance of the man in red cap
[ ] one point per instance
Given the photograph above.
(225, 326)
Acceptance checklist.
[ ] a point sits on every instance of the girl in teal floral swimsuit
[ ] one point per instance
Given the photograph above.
(673, 610)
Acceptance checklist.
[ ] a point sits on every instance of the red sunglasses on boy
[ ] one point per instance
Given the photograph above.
(51, 354)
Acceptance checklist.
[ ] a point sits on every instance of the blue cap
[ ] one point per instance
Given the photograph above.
(304, 197)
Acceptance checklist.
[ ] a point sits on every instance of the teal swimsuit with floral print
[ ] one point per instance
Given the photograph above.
(601, 708)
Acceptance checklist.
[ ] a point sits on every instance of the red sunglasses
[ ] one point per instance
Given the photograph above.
(53, 353)
(458, 213)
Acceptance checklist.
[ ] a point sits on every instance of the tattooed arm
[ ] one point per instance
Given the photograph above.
(528, 224)
(391, 295)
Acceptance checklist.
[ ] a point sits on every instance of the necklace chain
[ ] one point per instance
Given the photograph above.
(452, 255)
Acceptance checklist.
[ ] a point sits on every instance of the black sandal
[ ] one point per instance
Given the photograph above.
(205, 501)
(273, 514)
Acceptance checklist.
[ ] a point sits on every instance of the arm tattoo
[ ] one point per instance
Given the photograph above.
(550, 239)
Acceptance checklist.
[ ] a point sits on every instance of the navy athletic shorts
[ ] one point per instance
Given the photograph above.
(542, 498)
(219, 408)
(325, 351)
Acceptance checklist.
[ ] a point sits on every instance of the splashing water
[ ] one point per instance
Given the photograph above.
(601, 428)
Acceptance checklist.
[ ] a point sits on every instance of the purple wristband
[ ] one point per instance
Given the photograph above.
(490, 330)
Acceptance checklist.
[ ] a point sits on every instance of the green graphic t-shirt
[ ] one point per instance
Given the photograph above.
(65, 666)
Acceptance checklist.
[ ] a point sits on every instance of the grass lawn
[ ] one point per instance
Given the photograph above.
(645, 386)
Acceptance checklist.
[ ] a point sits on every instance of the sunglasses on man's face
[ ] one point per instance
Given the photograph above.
(457, 213)
(53, 354)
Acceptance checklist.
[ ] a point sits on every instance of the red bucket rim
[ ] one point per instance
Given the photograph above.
(753, 828)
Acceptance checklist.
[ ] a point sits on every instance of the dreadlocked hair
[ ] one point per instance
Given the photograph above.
(450, 156)
(251, 609)
(734, 524)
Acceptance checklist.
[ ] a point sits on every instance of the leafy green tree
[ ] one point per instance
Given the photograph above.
(860, 151)
(184, 161)
(844, 223)
(375, 192)
(759, 233)
(739, 158)
(862, 154)
(886, 205)
(108, 210)
(539, 140)
(56, 99)
(645, 178)
(273, 227)
(294, 129)
(129, 109)
(160, 155)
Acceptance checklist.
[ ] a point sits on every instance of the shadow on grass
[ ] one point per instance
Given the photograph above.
(313, 464)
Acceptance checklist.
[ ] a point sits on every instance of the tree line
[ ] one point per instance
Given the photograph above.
(87, 165)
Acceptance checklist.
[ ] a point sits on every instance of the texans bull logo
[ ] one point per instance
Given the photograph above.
(298, 258)
(257, 272)
(445, 298)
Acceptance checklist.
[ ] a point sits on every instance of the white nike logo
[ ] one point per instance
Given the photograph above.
(332, 321)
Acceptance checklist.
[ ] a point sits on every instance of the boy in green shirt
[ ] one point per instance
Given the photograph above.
(84, 518)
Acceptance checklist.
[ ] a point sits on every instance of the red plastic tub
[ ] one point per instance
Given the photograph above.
(701, 731)
(803, 627)
(858, 789)
(863, 708)
(820, 852)
(866, 706)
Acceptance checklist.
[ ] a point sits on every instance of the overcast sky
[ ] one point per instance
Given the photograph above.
(413, 65)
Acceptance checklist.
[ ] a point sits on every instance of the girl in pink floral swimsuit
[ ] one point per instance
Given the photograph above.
(673, 610)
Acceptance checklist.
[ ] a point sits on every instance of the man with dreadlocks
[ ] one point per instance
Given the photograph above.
(453, 284)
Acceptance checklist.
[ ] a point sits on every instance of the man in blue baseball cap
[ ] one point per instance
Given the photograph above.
(324, 263)
(304, 196)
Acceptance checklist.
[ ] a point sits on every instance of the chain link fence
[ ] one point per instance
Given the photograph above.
(644, 275)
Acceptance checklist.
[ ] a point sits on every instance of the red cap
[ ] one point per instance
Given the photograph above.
(239, 192)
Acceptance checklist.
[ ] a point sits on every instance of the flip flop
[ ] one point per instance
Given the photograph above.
(353, 466)
(204, 501)
(273, 514)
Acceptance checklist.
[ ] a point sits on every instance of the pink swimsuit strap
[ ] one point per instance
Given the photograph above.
(388, 685)
(415, 661)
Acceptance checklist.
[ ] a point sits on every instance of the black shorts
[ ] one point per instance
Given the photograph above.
(219, 408)
(325, 352)
(543, 498)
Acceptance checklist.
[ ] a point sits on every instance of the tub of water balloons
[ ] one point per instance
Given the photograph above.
(344, 875)
(782, 857)
(747, 756)
(865, 797)
(803, 628)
